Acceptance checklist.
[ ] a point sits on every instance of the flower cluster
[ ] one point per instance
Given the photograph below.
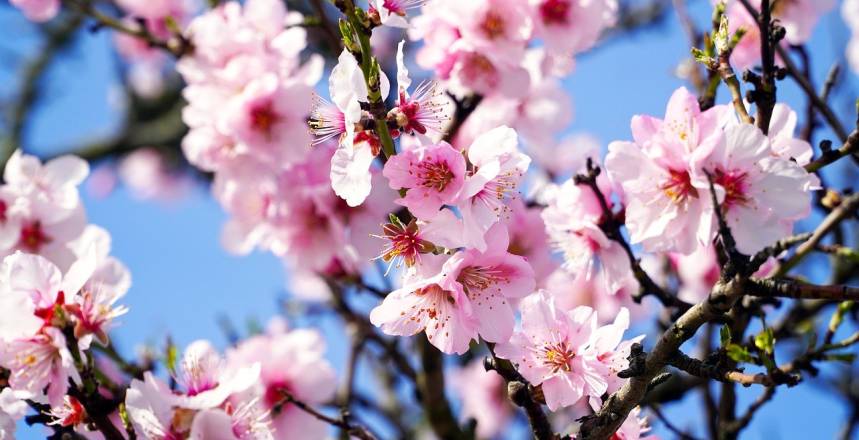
(58, 284)
(567, 352)
(666, 172)
(242, 396)
(478, 46)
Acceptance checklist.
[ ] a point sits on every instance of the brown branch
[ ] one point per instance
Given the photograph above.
(850, 147)
(176, 45)
(522, 394)
(617, 407)
(846, 209)
(431, 385)
(611, 226)
(357, 431)
(783, 288)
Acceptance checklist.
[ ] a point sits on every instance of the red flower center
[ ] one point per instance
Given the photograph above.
(735, 185)
(555, 12)
(264, 118)
(33, 237)
(679, 187)
(493, 25)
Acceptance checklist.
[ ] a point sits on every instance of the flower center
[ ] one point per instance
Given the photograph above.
(679, 187)
(3, 208)
(434, 174)
(404, 243)
(394, 6)
(558, 356)
(264, 118)
(33, 237)
(275, 393)
(735, 185)
(478, 278)
(555, 12)
(493, 25)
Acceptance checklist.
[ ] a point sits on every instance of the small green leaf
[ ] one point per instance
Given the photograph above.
(171, 356)
(725, 335)
(765, 341)
(702, 57)
(738, 353)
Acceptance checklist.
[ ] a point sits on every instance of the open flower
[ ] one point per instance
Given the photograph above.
(207, 380)
(432, 176)
(760, 195)
(498, 168)
(553, 349)
(667, 202)
(393, 12)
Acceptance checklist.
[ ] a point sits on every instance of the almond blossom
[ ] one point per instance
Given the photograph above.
(667, 201)
(484, 398)
(573, 218)
(454, 301)
(431, 175)
(291, 361)
(498, 168)
(761, 196)
(38, 10)
(556, 349)
(571, 26)
(393, 12)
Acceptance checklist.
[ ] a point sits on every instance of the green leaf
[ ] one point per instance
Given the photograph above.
(738, 353)
(171, 356)
(725, 335)
(702, 57)
(765, 341)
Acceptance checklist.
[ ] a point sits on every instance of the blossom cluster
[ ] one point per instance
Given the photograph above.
(243, 395)
(248, 99)
(58, 284)
(667, 171)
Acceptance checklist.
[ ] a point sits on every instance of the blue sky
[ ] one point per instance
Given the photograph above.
(184, 281)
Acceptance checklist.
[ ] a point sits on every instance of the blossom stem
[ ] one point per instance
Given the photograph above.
(370, 68)
(850, 147)
(847, 207)
(177, 45)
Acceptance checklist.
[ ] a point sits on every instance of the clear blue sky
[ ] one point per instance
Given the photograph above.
(184, 281)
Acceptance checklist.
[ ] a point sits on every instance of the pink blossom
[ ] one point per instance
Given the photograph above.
(431, 175)
(50, 185)
(667, 203)
(697, 272)
(553, 349)
(152, 410)
(528, 239)
(494, 25)
(571, 26)
(634, 427)
(797, 17)
(571, 290)
(268, 117)
(207, 380)
(291, 362)
(426, 110)
(465, 297)
(38, 10)
(484, 398)
(760, 195)
(393, 12)
(70, 413)
(498, 168)
(13, 407)
(40, 365)
(147, 175)
(573, 219)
